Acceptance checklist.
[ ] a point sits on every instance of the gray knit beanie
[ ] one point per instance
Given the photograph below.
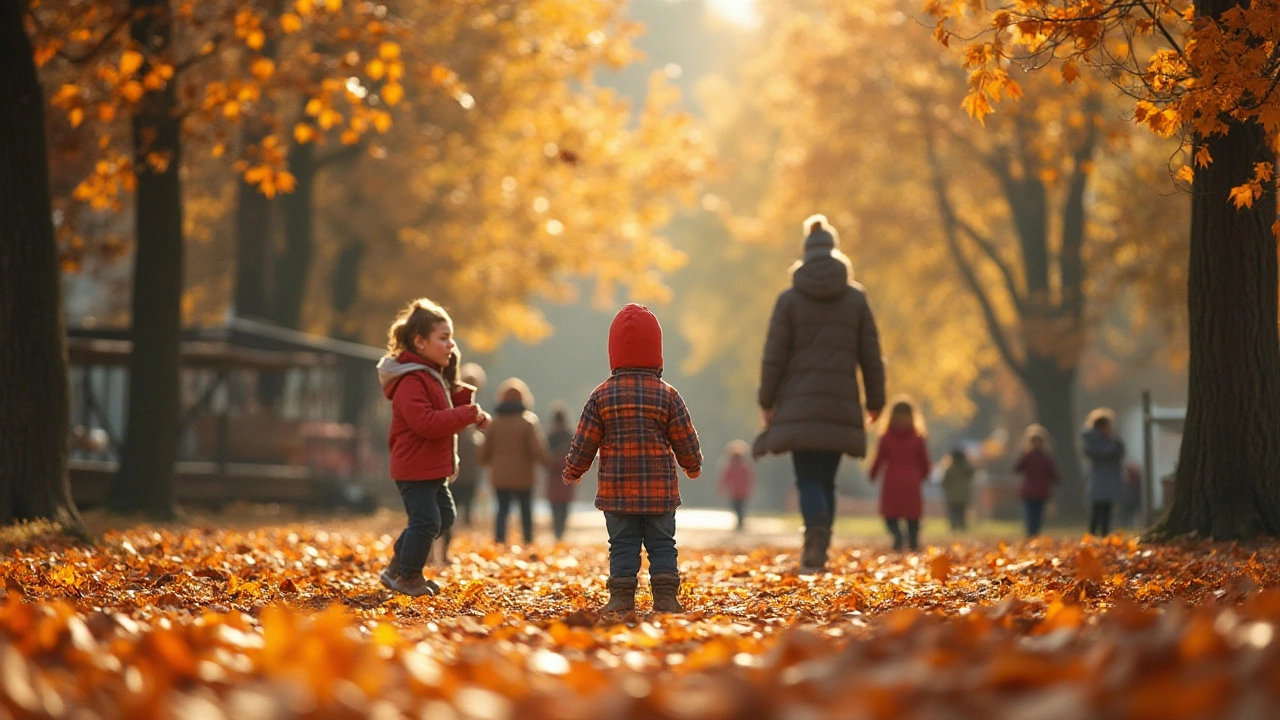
(820, 239)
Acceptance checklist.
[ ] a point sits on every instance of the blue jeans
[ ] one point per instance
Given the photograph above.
(431, 513)
(1035, 516)
(505, 499)
(816, 481)
(628, 532)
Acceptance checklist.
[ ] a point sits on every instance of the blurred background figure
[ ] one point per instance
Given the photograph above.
(737, 479)
(513, 449)
(957, 487)
(559, 494)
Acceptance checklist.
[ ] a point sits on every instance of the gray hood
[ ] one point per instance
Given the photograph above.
(391, 370)
(822, 278)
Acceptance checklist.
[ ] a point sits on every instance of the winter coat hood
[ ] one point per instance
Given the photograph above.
(392, 369)
(635, 339)
(822, 278)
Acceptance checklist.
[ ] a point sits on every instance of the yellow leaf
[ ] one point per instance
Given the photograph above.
(1186, 174)
(286, 181)
(218, 150)
(329, 118)
(65, 95)
(350, 137)
(132, 91)
(393, 94)
(303, 133)
(1243, 195)
(1263, 171)
(1203, 158)
(314, 107)
(106, 112)
(376, 69)
(76, 116)
(304, 7)
(389, 50)
(255, 40)
(231, 110)
(290, 23)
(382, 121)
(262, 68)
(977, 106)
(130, 61)
(333, 5)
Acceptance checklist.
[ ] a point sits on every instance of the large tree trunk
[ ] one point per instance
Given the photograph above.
(1228, 479)
(293, 267)
(34, 408)
(1052, 390)
(345, 290)
(145, 479)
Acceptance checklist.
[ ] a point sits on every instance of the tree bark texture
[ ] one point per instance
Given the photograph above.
(34, 405)
(1228, 479)
(145, 479)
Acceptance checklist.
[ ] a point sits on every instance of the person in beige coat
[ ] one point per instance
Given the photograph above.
(514, 447)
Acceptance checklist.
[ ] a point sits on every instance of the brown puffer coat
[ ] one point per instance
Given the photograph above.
(513, 448)
(822, 331)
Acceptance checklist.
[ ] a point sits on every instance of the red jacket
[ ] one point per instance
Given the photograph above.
(737, 479)
(1039, 475)
(904, 460)
(424, 422)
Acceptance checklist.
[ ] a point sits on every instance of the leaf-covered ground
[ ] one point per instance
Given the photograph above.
(290, 621)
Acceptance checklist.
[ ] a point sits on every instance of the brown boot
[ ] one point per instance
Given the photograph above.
(622, 595)
(416, 586)
(813, 558)
(388, 576)
(666, 592)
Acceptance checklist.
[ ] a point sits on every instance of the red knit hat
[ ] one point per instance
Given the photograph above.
(635, 338)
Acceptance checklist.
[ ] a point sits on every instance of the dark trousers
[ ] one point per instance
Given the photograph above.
(816, 482)
(464, 495)
(627, 533)
(1034, 516)
(430, 509)
(559, 519)
(505, 499)
(740, 509)
(956, 516)
(1100, 519)
(913, 533)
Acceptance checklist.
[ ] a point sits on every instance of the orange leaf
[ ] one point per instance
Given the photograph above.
(940, 567)
(130, 61)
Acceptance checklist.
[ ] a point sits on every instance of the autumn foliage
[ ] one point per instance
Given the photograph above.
(291, 622)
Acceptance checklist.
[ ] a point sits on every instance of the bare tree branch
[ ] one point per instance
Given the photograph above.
(951, 228)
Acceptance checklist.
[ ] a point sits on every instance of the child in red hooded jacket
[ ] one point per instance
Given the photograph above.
(902, 459)
(429, 407)
(636, 421)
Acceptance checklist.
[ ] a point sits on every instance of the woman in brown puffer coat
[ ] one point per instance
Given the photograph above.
(513, 449)
(821, 334)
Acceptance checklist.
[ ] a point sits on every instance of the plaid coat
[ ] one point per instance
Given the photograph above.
(636, 421)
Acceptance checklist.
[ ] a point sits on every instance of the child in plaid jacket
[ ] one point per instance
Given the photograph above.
(642, 429)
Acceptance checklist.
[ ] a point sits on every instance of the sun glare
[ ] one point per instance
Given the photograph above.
(738, 12)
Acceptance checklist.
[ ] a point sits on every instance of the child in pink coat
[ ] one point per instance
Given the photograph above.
(902, 461)
(737, 478)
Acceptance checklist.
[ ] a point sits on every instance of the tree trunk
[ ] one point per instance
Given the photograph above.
(253, 242)
(345, 290)
(1228, 479)
(294, 265)
(34, 410)
(145, 479)
(1052, 390)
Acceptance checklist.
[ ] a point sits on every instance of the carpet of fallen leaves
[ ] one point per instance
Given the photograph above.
(292, 622)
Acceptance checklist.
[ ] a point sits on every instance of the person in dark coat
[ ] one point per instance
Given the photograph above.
(821, 334)
(1106, 468)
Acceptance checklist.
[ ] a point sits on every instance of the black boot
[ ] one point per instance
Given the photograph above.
(666, 593)
(388, 576)
(622, 595)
